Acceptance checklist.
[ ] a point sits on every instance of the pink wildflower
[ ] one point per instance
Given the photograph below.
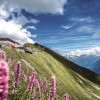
(31, 82)
(45, 86)
(53, 88)
(4, 80)
(66, 97)
(25, 79)
(37, 86)
(17, 72)
(40, 82)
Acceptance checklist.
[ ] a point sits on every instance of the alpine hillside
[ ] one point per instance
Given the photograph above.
(80, 83)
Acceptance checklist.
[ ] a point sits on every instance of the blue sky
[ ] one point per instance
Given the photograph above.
(62, 25)
(77, 28)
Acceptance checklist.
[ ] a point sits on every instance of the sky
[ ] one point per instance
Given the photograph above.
(66, 26)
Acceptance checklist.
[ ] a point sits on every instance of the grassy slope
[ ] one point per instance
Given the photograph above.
(68, 74)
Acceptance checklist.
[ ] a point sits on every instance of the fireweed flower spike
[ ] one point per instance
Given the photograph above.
(37, 86)
(40, 82)
(45, 86)
(17, 72)
(31, 82)
(53, 88)
(66, 97)
(4, 79)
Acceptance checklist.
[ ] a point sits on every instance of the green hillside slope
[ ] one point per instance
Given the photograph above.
(80, 83)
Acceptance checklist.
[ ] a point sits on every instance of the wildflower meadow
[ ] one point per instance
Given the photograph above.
(20, 86)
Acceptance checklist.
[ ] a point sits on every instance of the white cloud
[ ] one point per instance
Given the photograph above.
(86, 19)
(37, 6)
(35, 21)
(66, 26)
(94, 30)
(22, 20)
(87, 28)
(14, 28)
(90, 51)
(15, 31)
(3, 12)
(31, 27)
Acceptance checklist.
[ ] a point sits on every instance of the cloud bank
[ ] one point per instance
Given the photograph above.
(90, 51)
(15, 31)
(37, 6)
(14, 28)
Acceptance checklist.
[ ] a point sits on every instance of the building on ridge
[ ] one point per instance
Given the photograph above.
(8, 43)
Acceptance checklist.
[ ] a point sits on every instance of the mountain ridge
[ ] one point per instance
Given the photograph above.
(80, 70)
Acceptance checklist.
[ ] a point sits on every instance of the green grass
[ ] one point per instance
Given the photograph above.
(80, 83)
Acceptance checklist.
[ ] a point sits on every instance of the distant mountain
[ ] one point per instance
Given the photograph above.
(91, 62)
(96, 66)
